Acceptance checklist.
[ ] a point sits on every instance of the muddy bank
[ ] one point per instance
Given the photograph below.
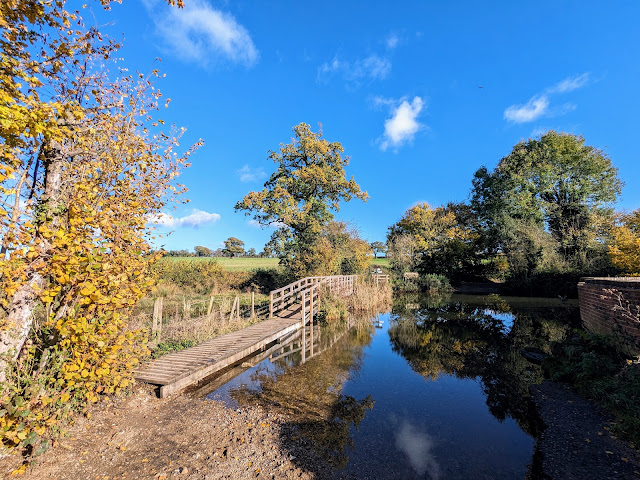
(575, 442)
(143, 437)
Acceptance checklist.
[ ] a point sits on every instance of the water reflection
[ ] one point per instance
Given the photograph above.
(417, 445)
(481, 338)
(311, 392)
(436, 389)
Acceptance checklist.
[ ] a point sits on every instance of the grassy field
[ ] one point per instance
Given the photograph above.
(380, 262)
(246, 264)
(236, 264)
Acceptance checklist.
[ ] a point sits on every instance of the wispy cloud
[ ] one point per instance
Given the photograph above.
(195, 219)
(403, 125)
(248, 174)
(392, 41)
(540, 105)
(372, 67)
(202, 34)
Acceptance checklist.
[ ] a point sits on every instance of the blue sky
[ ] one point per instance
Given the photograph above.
(419, 93)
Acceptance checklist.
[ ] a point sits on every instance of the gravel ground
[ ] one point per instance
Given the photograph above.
(576, 443)
(143, 437)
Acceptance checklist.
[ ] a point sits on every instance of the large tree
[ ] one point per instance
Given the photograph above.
(233, 247)
(444, 239)
(83, 170)
(552, 186)
(302, 194)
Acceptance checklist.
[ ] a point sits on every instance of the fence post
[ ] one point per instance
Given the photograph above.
(210, 306)
(156, 327)
(311, 323)
(253, 303)
(304, 328)
(270, 305)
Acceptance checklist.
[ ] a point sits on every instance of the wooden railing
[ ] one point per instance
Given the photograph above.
(307, 291)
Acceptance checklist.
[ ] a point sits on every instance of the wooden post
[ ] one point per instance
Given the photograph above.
(210, 306)
(304, 329)
(154, 324)
(270, 305)
(156, 327)
(311, 323)
(253, 304)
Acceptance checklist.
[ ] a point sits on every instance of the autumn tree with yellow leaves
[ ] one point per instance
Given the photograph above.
(624, 249)
(84, 169)
(441, 240)
(300, 198)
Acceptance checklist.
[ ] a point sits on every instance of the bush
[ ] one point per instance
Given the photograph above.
(433, 283)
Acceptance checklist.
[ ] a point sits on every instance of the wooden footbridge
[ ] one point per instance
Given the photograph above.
(290, 308)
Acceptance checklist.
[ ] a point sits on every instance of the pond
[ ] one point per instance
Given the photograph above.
(435, 389)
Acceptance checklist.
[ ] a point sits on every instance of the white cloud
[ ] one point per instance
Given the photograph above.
(535, 108)
(275, 225)
(372, 67)
(403, 124)
(200, 33)
(196, 219)
(540, 106)
(251, 175)
(570, 84)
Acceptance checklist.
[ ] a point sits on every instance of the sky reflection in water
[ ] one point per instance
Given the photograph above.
(436, 393)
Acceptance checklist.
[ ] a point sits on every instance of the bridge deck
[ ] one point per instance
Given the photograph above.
(178, 370)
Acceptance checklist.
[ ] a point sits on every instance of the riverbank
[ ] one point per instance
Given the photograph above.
(143, 437)
(576, 442)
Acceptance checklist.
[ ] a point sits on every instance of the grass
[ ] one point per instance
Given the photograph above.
(380, 262)
(238, 264)
(243, 264)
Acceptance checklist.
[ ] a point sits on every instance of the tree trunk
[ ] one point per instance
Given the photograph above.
(21, 311)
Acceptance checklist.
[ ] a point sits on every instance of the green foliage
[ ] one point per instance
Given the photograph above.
(301, 196)
(232, 247)
(434, 283)
(600, 372)
(545, 204)
(198, 276)
(171, 346)
(443, 240)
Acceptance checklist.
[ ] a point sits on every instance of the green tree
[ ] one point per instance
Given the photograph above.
(232, 247)
(444, 239)
(301, 195)
(378, 247)
(202, 251)
(556, 187)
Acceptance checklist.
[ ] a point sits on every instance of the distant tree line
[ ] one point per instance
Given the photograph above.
(233, 247)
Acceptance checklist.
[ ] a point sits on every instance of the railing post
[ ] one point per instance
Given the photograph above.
(304, 328)
(253, 303)
(270, 305)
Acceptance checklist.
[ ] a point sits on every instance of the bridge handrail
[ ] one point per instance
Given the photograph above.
(281, 298)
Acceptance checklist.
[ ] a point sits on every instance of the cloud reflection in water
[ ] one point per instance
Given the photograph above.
(417, 446)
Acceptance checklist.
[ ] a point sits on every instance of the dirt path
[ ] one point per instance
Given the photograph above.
(576, 443)
(143, 437)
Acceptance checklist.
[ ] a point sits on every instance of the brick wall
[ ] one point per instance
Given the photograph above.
(611, 306)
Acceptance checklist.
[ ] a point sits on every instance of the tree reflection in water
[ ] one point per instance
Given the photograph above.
(480, 337)
(310, 393)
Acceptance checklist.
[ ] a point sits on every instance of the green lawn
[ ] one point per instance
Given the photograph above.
(380, 262)
(245, 264)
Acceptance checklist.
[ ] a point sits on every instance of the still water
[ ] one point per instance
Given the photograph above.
(435, 389)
